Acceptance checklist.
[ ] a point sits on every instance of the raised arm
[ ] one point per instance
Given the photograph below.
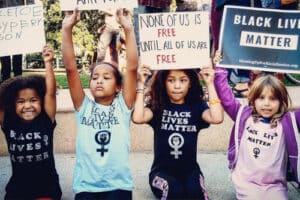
(50, 96)
(230, 104)
(215, 113)
(141, 114)
(129, 84)
(75, 86)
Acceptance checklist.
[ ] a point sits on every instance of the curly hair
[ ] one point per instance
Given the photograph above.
(279, 91)
(10, 88)
(157, 97)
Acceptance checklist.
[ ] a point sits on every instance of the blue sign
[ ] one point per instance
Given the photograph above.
(260, 39)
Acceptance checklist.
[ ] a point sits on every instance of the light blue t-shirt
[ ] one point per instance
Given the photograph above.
(102, 147)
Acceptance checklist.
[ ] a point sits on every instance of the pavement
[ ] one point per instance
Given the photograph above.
(213, 165)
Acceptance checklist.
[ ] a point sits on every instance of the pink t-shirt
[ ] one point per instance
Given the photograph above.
(260, 171)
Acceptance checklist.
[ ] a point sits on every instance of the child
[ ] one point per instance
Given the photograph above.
(177, 112)
(103, 140)
(27, 118)
(262, 140)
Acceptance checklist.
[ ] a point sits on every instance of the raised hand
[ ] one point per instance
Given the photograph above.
(124, 18)
(207, 73)
(218, 57)
(47, 54)
(71, 18)
(143, 73)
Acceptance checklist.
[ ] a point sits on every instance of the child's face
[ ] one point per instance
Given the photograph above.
(177, 85)
(266, 105)
(103, 83)
(28, 104)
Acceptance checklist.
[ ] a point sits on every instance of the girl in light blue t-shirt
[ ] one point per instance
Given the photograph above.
(103, 141)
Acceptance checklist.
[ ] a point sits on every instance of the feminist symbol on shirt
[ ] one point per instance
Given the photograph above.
(176, 141)
(102, 138)
(256, 151)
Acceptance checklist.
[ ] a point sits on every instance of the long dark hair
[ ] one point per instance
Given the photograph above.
(9, 90)
(157, 97)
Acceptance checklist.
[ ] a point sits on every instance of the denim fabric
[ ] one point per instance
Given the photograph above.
(239, 76)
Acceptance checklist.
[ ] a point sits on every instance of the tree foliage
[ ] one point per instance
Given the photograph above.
(84, 33)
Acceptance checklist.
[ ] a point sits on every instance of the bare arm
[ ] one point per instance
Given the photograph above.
(129, 84)
(215, 113)
(141, 114)
(50, 96)
(76, 89)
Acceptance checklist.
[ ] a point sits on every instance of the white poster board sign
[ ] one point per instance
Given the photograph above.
(96, 4)
(21, 30)
(174, 40)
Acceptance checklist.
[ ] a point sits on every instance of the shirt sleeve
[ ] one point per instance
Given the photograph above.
(203, 124)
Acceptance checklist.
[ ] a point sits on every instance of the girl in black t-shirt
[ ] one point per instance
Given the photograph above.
(27, 118)
(176, 110)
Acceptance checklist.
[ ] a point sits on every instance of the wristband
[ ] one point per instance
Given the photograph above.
(214, 101)
(140, 90)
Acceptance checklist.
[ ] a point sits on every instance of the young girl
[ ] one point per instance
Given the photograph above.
(103, 140)
(262, 140)
(27, 118)
(177, 112)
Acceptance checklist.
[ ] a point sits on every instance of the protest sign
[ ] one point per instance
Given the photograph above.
(96, 4)
(174, 40)
(21, 30)
(260, 39)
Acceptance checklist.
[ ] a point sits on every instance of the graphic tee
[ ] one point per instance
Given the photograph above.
(30, 145)
(176, 131)
(102, 147)
(262, 161)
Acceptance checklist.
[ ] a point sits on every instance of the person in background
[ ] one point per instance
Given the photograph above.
(192, 5)
(148, 6)
(110, 40)
(12, 61)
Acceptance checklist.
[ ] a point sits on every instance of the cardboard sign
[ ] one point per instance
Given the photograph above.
(174, 40)
(97, 4)
(21, 30)
(260, 39)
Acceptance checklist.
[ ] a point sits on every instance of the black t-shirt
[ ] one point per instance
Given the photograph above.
(176, 131)
(30, 146)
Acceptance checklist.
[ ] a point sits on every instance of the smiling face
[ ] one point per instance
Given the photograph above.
(103, 84)
(267, 105)
(177, 86)
(28, 104)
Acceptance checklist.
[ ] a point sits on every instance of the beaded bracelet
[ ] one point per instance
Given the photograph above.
(139, 90)
(214, 101)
